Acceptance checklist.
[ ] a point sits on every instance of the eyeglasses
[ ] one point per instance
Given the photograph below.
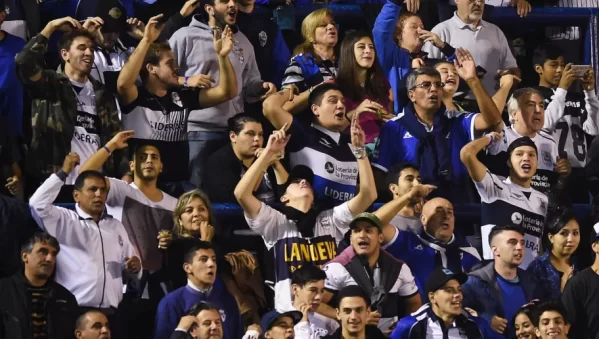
(428, 84)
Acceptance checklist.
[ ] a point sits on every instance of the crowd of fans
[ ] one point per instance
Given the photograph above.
(108, 228)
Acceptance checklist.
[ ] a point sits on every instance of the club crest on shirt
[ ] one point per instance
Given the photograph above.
(547, 158)
(176, 99)
(115, 13)
(120, 240)
(263, 38)
(223, 315)
(7, 10)
(328, 166)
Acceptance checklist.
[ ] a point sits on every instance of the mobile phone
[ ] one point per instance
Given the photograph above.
(580, 70)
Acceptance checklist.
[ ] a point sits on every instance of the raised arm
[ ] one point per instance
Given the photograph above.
(177, 21)
(227, 85)
(273, 107)
(591, 124)
(126, 88)
(383, 31)
(490, 116)
(244, 192)
(30, 61)
(505, 85)
(367, 194)
(477, 169)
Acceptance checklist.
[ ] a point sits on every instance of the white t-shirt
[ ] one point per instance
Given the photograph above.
(316, 327)
(86, 139)
(406, 223)
(291, 249)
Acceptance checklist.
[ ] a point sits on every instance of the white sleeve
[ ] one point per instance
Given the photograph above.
(500, 145)
(337, 277)
(591, 125)
(406, 284)
(55, 220)
(302, 330)
(119, 190)
(341, 217)
(555, 110)
(488, 188)
(269, 223)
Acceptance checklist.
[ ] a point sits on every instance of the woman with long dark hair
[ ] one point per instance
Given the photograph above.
(556, 266)
(523, 322)
(363, 84)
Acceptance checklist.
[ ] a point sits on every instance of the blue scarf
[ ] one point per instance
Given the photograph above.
(452, 250)
(433, 150)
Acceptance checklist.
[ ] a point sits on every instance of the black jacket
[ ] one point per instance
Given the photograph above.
(372, 332)
(61, 307)
(9, 326)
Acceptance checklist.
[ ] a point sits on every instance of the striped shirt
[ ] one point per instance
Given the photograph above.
(295, 76)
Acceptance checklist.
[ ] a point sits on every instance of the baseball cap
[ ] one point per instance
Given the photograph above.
(299, 172)
(270, 318)
(440, 277)
(522, 141)
(114, 15)
(368, 217)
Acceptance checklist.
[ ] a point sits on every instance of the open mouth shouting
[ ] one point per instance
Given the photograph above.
(363, 244)
(232, 14)
(434, 99)
(526, 168)
(340, 115)
(451, 81)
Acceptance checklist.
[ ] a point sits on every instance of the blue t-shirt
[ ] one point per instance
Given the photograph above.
(512, 295)
(396, 145)
(11, 90)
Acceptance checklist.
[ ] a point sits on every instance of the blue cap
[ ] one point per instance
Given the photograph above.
(270, 318)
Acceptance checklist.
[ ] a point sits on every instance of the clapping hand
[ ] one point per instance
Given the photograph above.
(465, 65)
(358, 137)
(223, 43)
(153, 28)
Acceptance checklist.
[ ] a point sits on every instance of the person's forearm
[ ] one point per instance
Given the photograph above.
(491, 115)
(174, 23)
(274, 111)
(48, 31)
(97, 160)
(472, 148)
(390, 209)
(227, 80)
(500, 97)
(298, 104)
(281, 173)
(367, 185)
(133, 66)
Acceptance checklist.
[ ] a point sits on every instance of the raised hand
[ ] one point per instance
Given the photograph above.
(70, 162)
(189, 7)
(119, 141)
(358, 137)
(508, 80)
(305, 309)
(153, 28)
(567, 77)
(369, 106)
(428, 36)
(465, 65)
(66, 24)
(588, 80)
(277, 141)
(413, 5)
(136, 28)
(223, 44)
(272, 89)
(93, 25)
(200, 80)
(421, 191)
(206, 231)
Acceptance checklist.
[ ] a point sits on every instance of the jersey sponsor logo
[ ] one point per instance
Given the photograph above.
(86, 138)
(168, 127)
(297, 251)
(347, 172)
(547, 158)
(516, 218)
(407, 135)
(329, 167)
(325, 142)
(87, 121)
(338, 195)
(540, 182)
(573, 104)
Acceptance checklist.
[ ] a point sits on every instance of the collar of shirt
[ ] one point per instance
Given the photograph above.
(334, 135)
(461, 24)
(193, 287)
(84, 216)
(524, 189)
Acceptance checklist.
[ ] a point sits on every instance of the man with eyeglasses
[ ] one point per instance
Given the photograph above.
(430, 136)
(488, 44)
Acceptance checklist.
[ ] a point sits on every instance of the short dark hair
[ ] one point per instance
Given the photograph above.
(80, 181)
(353, 291)
(191, 252)
(306, 274)
(547, 306)
(318, 93)
(237, 122)
(544, 52)
(412, 77)
(499, 229)
(395, 172)
(201, 306)
(80, 322)
(40, 237)
(155, 53)
(67, 39)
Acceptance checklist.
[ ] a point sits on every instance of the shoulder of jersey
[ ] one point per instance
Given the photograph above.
(543, 133)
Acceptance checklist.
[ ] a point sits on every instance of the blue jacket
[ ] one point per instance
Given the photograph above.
(546, 277)
(177, 303)
(482, 294)
(417, 324)
(423, 255)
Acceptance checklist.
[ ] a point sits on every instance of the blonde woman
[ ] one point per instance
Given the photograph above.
(315, 59)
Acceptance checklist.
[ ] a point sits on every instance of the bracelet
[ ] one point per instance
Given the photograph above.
(490, 140)
(185, 82)
(359, 152)
(107, 149)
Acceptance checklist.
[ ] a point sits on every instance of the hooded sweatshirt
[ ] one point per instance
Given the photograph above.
(194, 52)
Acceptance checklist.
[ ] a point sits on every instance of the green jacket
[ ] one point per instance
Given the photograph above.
(54, 111)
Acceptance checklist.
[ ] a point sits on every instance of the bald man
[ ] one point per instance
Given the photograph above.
(433, 245)
(92, 325)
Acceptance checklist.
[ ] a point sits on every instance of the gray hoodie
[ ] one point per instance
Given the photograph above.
(194, 52)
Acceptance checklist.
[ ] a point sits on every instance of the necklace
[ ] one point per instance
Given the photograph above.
(157, 99)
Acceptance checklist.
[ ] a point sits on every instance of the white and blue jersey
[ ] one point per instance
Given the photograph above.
(423, 254)
(505, 203)
(330, 157)
(396, 145)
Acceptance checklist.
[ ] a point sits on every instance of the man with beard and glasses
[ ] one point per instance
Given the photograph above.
(92, 325)
(146, 212)
(509, 201)
(444, 314)
(195, 53)
(497, 290)
(389, 281)
(430, 136)
(551, 321)
(353, 314)
(484, 40)
(44, 308)
(435, 245)
(203, 285)
(97, 258)
(300, 232)
(72, 112)
(159, 109)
